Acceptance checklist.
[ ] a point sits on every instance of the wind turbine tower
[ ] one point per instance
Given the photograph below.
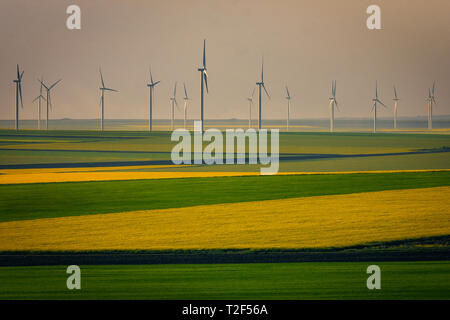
(18, 83)
(396, 100)
(103, 88)
(203, 83)
(186, 99)
(260, 85)
(250, 104)
(151, 86)
(174, 102)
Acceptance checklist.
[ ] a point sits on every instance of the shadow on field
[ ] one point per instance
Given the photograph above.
(422, 249)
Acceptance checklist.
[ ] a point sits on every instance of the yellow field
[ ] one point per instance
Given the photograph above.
(324, 221)
(17, 176)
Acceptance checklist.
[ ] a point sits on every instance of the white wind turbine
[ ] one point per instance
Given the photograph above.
(39, 98)
(151, 87)
(102, 98)
(49, 100)
(288, 98)
(333, 102)
(396, 100)
(174, 103)
(261, 84)
(203, 82)
(186, 99)
(430, 101)
(18, 83)
(374, 107)
(250, 104)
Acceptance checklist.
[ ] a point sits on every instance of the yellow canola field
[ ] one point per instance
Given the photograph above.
(323, 221)
(35, 176)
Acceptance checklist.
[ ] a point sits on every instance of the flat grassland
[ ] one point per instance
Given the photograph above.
(346, 280)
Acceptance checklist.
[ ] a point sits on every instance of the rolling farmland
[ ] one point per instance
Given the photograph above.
(340, 197)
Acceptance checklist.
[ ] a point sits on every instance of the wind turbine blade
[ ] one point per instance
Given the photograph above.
(20, 93)
(376, 88)
(432, 90)
(109, 89)
(156, 83)
(36, 98)
(40, 88)
(262, 70)
(54, 84)
(336, 103)
(205, 76)
(395, 93)
(21, 75)
(151, 78)
(268, 95)
(42, 83)
(287, 92)
(185, 92)
(381, 103)
(334, 92)
(101, 78)
(253, 92)
(204, 53)
(175, 90)
(18, 73)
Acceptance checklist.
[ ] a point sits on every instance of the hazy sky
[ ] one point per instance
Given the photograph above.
(305, 44)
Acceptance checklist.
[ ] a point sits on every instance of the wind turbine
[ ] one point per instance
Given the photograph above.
(18, 83)
(430, 101)
(250, 104)
(39, 98)
(174, 102)
(288, 98)
(186, 99)
(203, 81)
(102, 98)
(49, 101)
(151, 86)
(374, 107)
(333, 102)
(396, 100)
(261, 84)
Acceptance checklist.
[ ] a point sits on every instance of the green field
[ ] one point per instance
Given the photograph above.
(311, 151)
(399, 280)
